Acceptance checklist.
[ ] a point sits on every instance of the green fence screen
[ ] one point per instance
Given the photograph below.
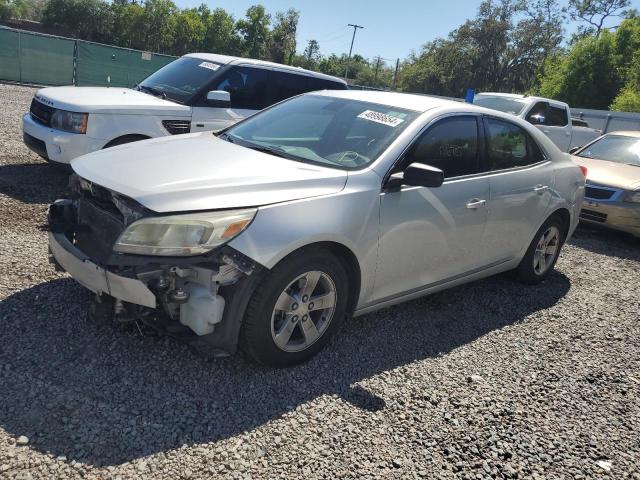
(48, 60)
(33, 58)
(119, 67)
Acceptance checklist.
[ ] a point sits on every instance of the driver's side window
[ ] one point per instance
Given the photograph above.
(247, 87)
(450, 145)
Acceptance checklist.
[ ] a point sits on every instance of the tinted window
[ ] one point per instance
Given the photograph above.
(557, 117)
(502, 104)
(450, 145)
(538, 113)
(509, 146)
(286, 85)
(247, 86)
(322, 84)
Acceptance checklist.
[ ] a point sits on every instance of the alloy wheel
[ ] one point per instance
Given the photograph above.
(546, 250)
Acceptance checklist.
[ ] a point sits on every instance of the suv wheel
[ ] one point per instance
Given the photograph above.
(296, 309)
(543, 252)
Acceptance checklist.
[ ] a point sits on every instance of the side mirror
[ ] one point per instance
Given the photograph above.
(538, 119)
(420, 175)
(574, 150)
(219, 98)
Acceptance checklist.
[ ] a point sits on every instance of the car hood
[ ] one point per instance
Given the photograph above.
(109, 100)
(613, 174)
(201, 172)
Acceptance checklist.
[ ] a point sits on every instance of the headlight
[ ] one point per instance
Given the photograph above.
(181, 235)
(633, 197)
(69, 121)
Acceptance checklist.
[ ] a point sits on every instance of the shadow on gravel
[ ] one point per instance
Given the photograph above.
(607, 242)
(101, 395)
(33, 182)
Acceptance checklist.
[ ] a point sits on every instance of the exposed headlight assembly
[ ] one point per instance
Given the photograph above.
(72, 122)
(183, 235)
(633, 197)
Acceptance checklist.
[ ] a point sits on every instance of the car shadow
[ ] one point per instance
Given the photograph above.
(98, 394)
(33, 182)
(606, 242)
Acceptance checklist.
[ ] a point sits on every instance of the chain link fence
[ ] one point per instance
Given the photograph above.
(29, 57)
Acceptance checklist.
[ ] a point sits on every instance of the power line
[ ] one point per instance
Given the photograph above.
(355, 28)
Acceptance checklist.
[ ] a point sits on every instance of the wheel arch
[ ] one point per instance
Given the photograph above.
(128, 138)
(565, 216)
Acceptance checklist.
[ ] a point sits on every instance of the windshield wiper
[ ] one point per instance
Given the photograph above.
(634, 164)
(152, 91)
(277, 151)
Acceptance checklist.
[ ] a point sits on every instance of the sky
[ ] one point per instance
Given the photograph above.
(392, 28)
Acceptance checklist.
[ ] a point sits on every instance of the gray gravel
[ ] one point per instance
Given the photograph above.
(489, 380)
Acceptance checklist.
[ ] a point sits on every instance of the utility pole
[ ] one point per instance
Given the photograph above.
(395, 75)
(375, 77)
(355, 28)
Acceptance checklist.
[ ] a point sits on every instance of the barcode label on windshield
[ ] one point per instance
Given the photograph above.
(381, 118)
(210, 66)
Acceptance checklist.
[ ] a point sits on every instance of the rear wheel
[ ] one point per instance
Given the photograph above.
(543, 252)
(296, 309)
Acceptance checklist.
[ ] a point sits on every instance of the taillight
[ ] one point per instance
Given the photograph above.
(583, 169)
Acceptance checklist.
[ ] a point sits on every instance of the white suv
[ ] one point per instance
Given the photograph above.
(194, 93)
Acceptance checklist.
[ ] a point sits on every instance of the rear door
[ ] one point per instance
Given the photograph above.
(429, 235)
(520, 181)
(248, 88)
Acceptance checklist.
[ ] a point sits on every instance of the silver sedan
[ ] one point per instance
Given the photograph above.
(331, 204)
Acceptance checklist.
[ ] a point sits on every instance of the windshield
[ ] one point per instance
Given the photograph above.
(614, 148)
(335, 132)
(502, 104)
(180, 79)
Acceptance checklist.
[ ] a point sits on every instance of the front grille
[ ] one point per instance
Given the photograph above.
(593, 216)
(99, 230)
(177, 127)
(41, 113)
(598, 193)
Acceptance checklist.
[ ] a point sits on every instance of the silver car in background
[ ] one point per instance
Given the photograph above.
(331, 204)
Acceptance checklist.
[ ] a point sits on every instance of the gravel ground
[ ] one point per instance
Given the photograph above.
(489, 380)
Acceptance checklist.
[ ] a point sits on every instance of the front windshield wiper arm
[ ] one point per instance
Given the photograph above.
(152, 91)
(634, 164)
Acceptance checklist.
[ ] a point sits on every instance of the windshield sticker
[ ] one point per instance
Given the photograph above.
(210, 66)
(378, 117)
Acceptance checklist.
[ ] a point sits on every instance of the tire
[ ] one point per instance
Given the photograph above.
(533, 269)
(281, 337)
(125, 139)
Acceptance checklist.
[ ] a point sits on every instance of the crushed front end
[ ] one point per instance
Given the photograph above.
(200, 298)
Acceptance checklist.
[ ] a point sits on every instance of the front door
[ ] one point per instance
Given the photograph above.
(521, 182)
(428, 235)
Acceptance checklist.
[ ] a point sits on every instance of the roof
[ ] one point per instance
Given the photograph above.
(226, 59)
(626, 133)
(407, 101)
(517, 96)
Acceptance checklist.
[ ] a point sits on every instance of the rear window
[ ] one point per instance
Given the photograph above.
(501, 104)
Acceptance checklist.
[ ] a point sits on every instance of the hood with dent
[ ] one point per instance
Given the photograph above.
(612, 174)
(199, 171)
(109, 100)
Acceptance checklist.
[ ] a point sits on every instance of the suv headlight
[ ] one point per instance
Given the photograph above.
(69, 121)
(182, 235)
(633, 197)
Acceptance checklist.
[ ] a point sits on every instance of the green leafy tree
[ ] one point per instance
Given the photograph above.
(77, 17)
(6, 10)
(255, 32)
(587, 76)
(596, 12)
(189, 32)
(221, 35)
(311, 54)
(283, 37)
(160, 21)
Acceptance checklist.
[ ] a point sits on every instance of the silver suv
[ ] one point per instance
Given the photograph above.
(331, 204)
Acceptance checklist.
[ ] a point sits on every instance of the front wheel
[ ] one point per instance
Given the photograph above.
(542, 253)
(296, 309)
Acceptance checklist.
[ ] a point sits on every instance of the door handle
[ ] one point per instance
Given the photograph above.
(540, 189)
(475, 203)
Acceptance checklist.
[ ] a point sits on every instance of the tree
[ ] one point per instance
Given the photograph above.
(189, 32)
(77, 17)
(595, 12)
(283, 37)
(255, 32)
(220, 36)
(312, 54)
(587, 76)
(160, 23)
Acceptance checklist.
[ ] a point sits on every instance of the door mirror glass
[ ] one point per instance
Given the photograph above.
(218, 98)
(537, 119)
(420, 175)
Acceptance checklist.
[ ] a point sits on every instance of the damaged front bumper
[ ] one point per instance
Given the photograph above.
(201, 299)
